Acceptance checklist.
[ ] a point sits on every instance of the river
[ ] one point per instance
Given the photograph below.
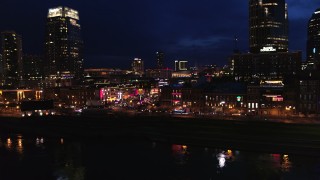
(41, 158)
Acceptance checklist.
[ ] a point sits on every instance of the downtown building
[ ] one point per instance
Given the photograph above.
(32, 70)
(12, 65)
(268, 25)
(137, 67)
(309, 78)
(180, 65)
(272, 79)
(309, 93)
(160, 59)
(265, 66)
(269, 69)
(205, 98)
(269, 58)
(159, 72)
(313, 41)
(63, 45)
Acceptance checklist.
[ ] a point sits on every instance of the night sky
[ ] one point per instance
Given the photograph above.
(114, 32)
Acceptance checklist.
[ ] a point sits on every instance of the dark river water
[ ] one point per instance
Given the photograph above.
(41, 158)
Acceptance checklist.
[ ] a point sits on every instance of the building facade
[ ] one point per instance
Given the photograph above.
(63, 44)
(313, 41)
(159, 73)
(138, 66)
(309, 93)
(12, 58)
(160, 59)
(265, 66)
(268, 25)
(180, 65)
(209, 98)
(32, 71)
(32, 67)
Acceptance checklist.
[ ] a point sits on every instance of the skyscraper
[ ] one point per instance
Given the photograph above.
(313, 41)
(160, 59)
(63, 44)
(269, 58)
(11, 57)
(268, 26)
(138, 66)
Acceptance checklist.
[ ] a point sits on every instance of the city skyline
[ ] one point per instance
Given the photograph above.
(116, 32)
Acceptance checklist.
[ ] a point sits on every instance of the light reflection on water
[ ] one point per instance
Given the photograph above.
(9, 144)
(286, 163)
(223, 157)
(65, 159)
(180, 154)
(19, 145)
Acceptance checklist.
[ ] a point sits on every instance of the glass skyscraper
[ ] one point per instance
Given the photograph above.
(63, 44)
(313, 41)
(268, 26)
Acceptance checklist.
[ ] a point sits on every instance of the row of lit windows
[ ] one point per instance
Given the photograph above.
(277, 39)
(270, 4)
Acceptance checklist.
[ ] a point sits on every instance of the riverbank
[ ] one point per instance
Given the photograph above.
(244, 134)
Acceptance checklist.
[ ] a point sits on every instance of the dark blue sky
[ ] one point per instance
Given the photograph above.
(115, 32)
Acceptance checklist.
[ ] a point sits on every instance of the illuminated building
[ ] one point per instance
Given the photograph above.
(269, 58)
(206, 97)
(138, 67)
(180, 65)
(181, 74)
(160, 59)
(12, 57)
(313, 40)
(268, 26)
(63, 44)
(267, 98)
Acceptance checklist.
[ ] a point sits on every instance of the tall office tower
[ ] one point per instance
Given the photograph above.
(160, 59)
(180, 65)
(63, 44)
(313, 41)
(138, 66)
(268, 26)
(12, 58)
